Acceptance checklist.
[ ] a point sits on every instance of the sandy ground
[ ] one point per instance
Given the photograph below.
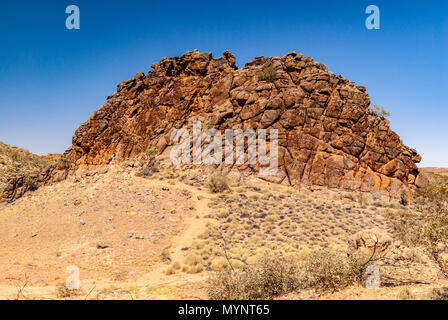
(61, 225)
(124, 232)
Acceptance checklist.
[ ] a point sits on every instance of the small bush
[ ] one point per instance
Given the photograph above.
(14, 155)
(192, 259)
(165, 254)
(428, 226)
(62, 291)
(219, 263)
(270, 278)
(31, 183)
(330, 270)
(176, 265)
(322, 66)
(150, 153)
(170, 271)
(218, 183)
(268, 74)
(228, 122)
(121, 275)
(404, 198)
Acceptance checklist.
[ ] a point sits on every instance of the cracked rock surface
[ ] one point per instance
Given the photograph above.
(328, 136)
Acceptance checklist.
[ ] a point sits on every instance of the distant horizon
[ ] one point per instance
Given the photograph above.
(52, 79)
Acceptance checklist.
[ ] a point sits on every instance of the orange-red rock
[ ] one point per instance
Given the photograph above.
(328, 135)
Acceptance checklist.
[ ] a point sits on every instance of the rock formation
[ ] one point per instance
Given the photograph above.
(328, 136)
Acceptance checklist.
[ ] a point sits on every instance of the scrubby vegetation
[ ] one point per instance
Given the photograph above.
(323, 66)
(274, 276)
(219, 182)
(427, 226)
(268, 74)
(31, 183)
(250, 222)
(15, 162)
(62, 291)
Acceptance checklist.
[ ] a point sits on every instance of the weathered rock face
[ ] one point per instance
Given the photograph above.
(327, 134)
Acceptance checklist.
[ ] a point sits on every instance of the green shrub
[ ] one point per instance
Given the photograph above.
(14, 155)
(268, 74)
(228, 122)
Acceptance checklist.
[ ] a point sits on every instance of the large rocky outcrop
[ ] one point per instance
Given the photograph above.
(328, 136)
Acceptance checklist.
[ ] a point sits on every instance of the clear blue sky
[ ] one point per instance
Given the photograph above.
(52, 79)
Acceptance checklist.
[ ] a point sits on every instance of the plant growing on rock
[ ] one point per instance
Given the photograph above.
(380, 111)
(268, 74)
(322, 66)
(31, 183)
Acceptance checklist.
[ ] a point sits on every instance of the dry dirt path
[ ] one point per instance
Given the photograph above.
(193, 224)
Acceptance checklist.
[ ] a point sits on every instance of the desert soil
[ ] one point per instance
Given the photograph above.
(139, 238)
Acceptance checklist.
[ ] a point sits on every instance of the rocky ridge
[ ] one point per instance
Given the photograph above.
(328, 135)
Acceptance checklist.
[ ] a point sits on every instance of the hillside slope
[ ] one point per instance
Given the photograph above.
(15, 161)
(162, 237)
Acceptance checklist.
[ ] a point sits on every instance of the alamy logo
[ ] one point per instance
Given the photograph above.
(373, 20)
(210, 149)
(73, 282)
(73, 20)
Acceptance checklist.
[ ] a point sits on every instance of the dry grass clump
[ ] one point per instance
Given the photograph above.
(31, 183)
(62, 291)
(193, 263)
(268, 74)
(218, 182)
(405, 294)
(120, 276)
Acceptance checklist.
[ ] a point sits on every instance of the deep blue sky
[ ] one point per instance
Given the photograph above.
(52, 79)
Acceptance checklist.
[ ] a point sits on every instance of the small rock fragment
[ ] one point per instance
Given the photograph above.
(101, 245)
